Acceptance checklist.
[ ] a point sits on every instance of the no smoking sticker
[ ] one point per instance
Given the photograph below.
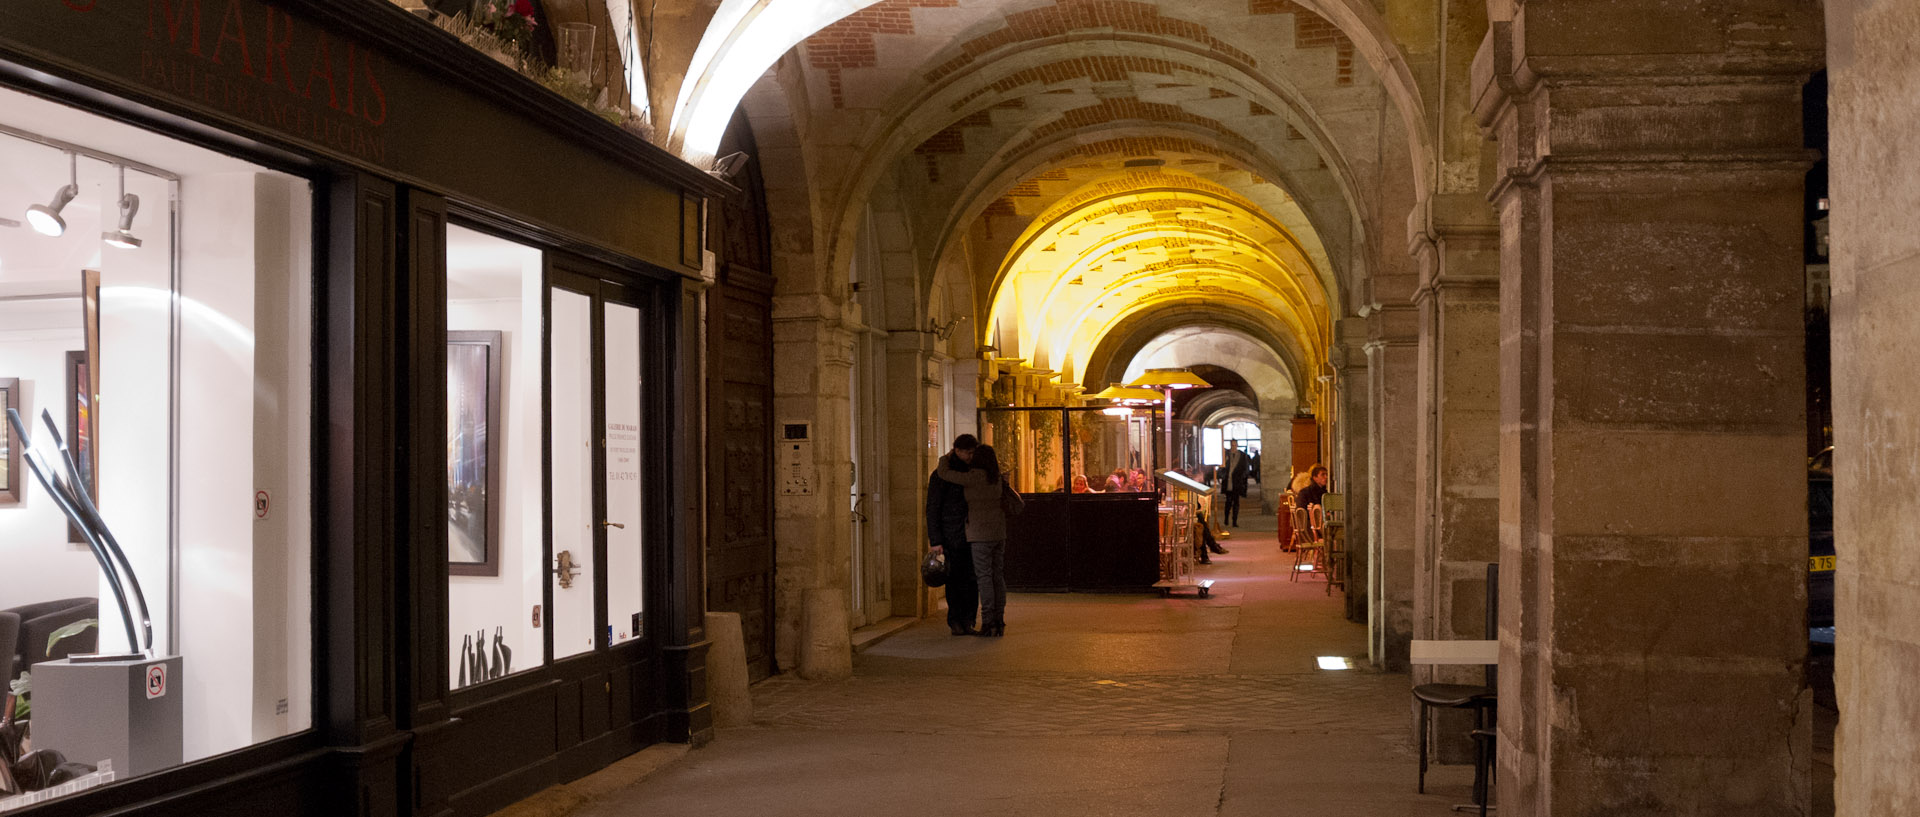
(156, 681)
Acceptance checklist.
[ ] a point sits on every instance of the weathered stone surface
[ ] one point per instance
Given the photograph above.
(1652, 433)
(1874, 79)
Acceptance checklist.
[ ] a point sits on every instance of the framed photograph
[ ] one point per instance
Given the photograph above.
(473, 453)
(82, 441)
(13, 481)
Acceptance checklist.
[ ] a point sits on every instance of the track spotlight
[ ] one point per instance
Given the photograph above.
(45, 218)
(129, 205)
(728, 166)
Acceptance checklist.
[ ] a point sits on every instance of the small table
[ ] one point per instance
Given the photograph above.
(1455, 652)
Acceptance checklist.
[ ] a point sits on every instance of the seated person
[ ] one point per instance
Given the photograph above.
(1117, 481)
(1080, 485)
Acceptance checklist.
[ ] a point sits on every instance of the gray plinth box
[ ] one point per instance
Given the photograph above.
(126, 711)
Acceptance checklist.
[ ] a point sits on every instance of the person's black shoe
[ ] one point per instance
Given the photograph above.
(1218, 549)
(960, 630)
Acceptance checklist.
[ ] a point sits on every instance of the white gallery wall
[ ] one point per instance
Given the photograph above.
(494, 284)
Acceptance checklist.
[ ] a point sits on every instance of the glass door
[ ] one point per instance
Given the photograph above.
(597, 439)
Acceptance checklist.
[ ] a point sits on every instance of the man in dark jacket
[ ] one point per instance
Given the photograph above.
(947, 533)
(1235, 469)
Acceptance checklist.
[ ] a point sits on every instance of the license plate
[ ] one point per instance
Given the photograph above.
(1821, 564)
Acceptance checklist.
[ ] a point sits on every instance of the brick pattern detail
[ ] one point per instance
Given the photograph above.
(1133, 182)
(1120, 110)
(1257, 109)
(848, 43)
(1066, 16)
(950, 140)
(1295, 134)
(1093, 69)
(1310, 30)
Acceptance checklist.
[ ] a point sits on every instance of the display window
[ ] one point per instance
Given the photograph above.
(545, 536)
(156, 552)
(496, 523)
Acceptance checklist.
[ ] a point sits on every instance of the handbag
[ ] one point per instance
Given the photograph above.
(933, 569)
(1010, 502)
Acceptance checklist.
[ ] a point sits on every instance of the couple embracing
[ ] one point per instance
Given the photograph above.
(968, 502)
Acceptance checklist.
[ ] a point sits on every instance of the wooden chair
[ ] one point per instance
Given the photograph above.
(1309, 549)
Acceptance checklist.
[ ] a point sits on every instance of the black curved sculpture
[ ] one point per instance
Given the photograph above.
(70, 493)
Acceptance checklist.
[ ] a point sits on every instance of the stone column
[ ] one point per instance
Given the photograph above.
(1652, 474)
(1352, 389)
(1456, 516)
(1874, 114)
(909, 360)
(1392, 418)
(1457, 497)
(812, 379)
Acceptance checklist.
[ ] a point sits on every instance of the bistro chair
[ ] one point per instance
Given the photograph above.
(1483, 699)
(1308, 549)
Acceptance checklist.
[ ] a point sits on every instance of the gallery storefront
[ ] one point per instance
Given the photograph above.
(379, 363)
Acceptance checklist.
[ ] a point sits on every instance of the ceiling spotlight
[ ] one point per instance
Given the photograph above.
(728, 166)
(129, 205)
(45, 218)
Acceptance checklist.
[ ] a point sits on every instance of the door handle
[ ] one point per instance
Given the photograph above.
(614, 525)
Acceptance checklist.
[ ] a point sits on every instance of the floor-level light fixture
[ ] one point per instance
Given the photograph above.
(129, 205)
(45, 218)
(1168, 381)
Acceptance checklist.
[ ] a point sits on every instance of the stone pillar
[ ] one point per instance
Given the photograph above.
(1874, 114)
(1457, 506)
(909, 360)
(1350, 467)
(1652, 474)
(1392, 419)
(812, 378)
(1457, 474)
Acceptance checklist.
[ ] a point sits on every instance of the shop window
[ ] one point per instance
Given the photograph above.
(155, 306)
(495, 510)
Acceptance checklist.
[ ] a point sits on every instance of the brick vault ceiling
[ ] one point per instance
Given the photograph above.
(984, 115)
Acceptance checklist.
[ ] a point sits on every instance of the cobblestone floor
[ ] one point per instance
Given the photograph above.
(1094, 705)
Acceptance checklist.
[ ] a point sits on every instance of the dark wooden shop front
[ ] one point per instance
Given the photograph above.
(407, 137)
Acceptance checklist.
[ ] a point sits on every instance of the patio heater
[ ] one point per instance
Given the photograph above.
(1167, 381)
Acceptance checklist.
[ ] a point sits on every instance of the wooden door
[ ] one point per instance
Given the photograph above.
(740, 439)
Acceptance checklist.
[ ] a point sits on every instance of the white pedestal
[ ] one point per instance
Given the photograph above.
(125, 711)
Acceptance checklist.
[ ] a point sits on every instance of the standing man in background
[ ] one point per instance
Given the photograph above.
(947, 534)
(1235, 469)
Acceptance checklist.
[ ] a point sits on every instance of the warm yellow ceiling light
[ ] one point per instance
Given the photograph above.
(1171, 379)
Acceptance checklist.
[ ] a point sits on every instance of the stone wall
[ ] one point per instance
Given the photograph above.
(1874, 81)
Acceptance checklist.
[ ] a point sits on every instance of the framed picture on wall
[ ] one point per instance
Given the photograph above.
(473, 453)
(83, 390)
(13, 481)
(82, 441)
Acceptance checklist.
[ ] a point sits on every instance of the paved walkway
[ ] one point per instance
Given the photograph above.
(1091, 705)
